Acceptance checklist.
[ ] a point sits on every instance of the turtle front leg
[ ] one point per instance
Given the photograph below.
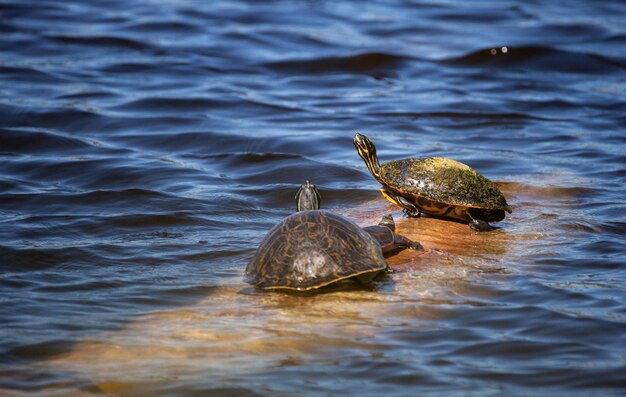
(409, 208)
(401, 241)
(479, 225)
(396, 199)
(393, 197)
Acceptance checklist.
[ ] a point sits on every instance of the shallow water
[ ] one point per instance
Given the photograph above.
(146, 148)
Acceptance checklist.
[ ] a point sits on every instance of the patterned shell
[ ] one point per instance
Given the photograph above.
(443, 180)
(311, 249)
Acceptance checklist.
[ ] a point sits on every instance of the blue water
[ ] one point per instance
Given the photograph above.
(146, 147)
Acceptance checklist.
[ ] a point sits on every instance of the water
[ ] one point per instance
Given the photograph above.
(147, 146)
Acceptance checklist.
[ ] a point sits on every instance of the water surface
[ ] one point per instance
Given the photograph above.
(146, 147)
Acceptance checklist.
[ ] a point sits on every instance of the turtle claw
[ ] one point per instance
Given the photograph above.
(411, 213)
(414, 245)
(479, 225)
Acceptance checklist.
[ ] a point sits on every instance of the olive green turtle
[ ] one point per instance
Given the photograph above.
(436, 186)
(313, 248)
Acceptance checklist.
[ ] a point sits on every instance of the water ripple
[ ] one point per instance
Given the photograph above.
(366, 63)
(147, 147)
(541, 58)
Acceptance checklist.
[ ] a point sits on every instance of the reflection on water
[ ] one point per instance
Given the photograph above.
(147, 147)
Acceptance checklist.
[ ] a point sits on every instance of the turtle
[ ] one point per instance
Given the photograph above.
(436, 186)
(313, 248)
(390, 241)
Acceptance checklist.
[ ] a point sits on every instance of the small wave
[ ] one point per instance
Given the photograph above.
(462, 115)
(605, 248)
(277, 168)
(172, 70)
(156, 220)
(37, 258)
(549, 193)
(540, 58)
(58, 118)
(365, 63)
(97, 202)
(191, 141)
(173, 104)
(20, 8)
(168, 296)
(578, 226)
(161, 27)
(29, 141)
(30, 75)
(81, 95)
(11, 185)
(101, 41)
(244, 157)
(573, 31)
(618, 228)
(197, 145)
(616, 39)
(230, 103)
(41, 350)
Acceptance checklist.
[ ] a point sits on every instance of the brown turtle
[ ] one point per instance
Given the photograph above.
(436, 186)
(313, 248)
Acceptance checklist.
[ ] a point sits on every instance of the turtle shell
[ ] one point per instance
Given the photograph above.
(311, 249)
(445, 187)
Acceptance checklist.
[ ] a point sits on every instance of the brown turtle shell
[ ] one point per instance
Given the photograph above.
(311, 249)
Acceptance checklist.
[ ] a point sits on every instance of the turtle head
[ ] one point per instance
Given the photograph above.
(308, 197)
(367, 151)
(387, 221)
